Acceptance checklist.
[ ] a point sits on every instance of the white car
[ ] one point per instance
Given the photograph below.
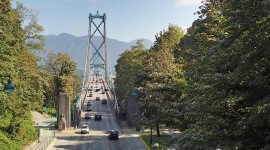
(85, 129)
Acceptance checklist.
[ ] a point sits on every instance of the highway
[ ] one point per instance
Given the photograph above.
(97, 139)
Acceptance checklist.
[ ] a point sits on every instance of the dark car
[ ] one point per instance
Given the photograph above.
(113, 134)
(90, 95)
(88, 104)
(102, 92)
(88, 109)
(104, 101)
(87, 116)
(97, 116)
(97, 98)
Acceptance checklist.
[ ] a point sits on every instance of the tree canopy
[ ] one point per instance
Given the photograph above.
(212, 82)
(18, 42)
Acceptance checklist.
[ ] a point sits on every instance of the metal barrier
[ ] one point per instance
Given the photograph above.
(46, 142)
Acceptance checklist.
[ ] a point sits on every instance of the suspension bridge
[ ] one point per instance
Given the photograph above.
(97, 63)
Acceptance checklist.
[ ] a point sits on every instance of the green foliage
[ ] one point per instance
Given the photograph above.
(162, 80)
(16, 128)
(26, 131)
(6, 143)
(226, 58)
(32, 30)
(213, 82)
(60, 68)
(126, 71)
(164, 141)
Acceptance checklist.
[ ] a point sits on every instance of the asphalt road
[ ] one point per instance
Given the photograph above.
(97, 139)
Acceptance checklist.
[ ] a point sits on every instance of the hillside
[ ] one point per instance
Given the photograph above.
(76, 47)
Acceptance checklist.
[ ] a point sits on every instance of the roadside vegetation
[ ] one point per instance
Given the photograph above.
(212, 82)
(164, 141)
(20, 38)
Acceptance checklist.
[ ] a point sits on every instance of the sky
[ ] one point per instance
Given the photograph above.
(127, 20)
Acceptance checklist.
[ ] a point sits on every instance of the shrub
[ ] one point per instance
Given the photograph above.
(27, 131)
(6, 143)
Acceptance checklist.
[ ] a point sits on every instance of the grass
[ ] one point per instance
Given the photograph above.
(164, 140)
(48, 112)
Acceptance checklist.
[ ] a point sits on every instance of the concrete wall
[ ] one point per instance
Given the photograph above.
(133, 112)
(64, 108)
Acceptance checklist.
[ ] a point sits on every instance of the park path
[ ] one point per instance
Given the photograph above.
(45, 125)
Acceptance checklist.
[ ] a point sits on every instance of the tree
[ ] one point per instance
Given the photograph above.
(158, 83)
(32, 30)
(60, 70)
(127, 68)
(225, 58)
(15, 107)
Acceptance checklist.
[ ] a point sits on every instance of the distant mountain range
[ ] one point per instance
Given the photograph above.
(76, 47)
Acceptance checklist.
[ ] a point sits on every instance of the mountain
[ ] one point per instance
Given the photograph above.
(76, 47)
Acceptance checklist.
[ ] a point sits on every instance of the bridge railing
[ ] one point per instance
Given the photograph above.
(46, 142)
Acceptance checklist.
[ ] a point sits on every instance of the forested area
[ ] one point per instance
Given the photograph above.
(212, 82)
(34, 82)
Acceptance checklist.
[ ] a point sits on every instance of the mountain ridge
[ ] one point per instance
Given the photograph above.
(76, 47)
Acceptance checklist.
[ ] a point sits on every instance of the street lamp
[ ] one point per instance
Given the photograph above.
(9, 87)
(134, 92)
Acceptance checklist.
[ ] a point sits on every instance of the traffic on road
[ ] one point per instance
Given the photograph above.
(98, 128)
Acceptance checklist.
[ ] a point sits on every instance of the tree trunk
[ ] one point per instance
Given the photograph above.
(157, 129)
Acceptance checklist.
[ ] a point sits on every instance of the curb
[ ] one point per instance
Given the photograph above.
(144, 143)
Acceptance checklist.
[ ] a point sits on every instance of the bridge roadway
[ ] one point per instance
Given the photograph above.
(97, 139)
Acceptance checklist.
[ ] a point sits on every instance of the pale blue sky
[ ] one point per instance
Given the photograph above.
(126, 19)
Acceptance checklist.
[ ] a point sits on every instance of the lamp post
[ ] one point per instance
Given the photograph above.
(9, 87)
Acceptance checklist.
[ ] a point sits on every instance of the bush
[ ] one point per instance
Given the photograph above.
(27, 131)
(6, 143)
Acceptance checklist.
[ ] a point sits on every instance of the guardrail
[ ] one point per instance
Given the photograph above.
(46, 142)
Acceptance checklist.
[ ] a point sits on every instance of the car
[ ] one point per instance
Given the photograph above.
(87, 116)
(85, 129)
(113, 134)
(97, 98)
(104, 101)
(102, 92)
(88, 109)
(90, 95)
(97, 116)
(97, 90)
(88, 104)
(106, 89)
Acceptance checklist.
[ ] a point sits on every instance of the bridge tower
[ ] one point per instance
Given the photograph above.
(97, 53)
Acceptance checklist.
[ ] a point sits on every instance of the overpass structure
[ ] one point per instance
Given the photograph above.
(97, 62)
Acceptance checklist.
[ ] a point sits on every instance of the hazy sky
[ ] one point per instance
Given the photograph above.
(127, 20)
